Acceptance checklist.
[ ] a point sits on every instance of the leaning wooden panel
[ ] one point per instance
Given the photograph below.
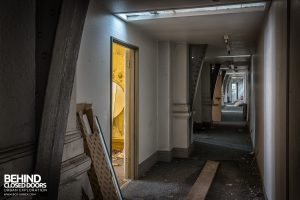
(101, 174)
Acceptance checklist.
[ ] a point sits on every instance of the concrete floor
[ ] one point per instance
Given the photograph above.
(236, 178)
(232, 114)
(165, 181)
(232, 137)
(119, 168)
(119, 171)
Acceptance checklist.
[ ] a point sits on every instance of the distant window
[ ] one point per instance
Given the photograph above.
(233, 86)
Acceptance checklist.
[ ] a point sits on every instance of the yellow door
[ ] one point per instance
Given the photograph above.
(123, 112)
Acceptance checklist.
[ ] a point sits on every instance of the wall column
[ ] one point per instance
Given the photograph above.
(180, 105)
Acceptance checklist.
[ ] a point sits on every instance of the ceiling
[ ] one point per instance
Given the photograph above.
(242, 28)
(209, 29)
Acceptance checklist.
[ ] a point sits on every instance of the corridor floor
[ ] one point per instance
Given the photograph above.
(232, 113)
(236, 179)
(165, 181)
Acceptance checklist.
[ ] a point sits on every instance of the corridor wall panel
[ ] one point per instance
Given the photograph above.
(270, 98)
(93, 73)
(294, 102)
(164, 120)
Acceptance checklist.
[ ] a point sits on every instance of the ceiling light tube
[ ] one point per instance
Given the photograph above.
(185, 12)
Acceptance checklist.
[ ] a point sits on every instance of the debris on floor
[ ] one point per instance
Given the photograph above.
(236, 179)
(165, 181)
(118, 155)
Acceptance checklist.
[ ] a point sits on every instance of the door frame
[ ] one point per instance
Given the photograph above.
(134, 130)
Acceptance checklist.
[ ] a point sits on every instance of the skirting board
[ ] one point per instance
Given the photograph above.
(147, 164)
(182, 152)
(164, 156)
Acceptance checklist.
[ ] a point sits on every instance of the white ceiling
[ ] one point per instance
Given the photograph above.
(243, 29)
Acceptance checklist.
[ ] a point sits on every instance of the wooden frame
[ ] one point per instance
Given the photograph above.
(136, 103)
(58, 93)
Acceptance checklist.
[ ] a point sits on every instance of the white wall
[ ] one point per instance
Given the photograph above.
(270, 98)
(164, 97)
(180, 76)
(173, 99)
(93, 73)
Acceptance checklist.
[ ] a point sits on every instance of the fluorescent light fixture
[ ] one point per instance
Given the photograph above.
(235, 56)
(185, 12)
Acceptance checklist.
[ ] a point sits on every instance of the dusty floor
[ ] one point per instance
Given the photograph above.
(236, 179)
(232, 114)
(118, 164)
(228, 137)
(165, 181)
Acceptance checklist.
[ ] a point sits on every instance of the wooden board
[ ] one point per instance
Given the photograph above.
(101, 174)
(202, 184)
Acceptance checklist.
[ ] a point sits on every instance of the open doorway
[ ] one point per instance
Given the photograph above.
(229, 92)
(234, 98)
(123, 110)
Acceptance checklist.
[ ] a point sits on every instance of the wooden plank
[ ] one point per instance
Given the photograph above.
(58, 93)
(202, 184)
(101, 174)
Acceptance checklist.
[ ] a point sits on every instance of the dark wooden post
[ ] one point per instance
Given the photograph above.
(58, 92)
